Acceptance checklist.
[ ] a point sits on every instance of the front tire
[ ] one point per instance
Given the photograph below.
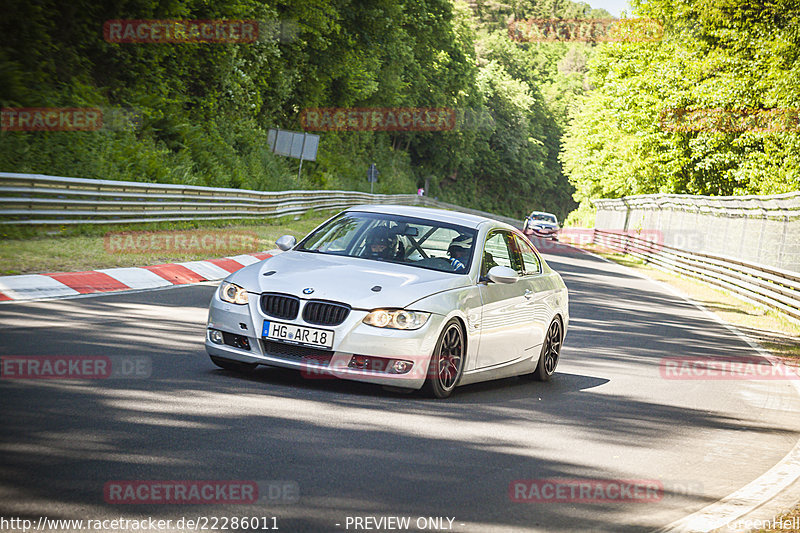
(234, 366)
(551, 351)
(447, 361)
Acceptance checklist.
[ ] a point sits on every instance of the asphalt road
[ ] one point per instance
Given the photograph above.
(355, 450)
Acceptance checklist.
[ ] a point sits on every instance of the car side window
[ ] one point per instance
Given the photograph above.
(516, 255)
(501, 250)
(495, 253)
(532, 264)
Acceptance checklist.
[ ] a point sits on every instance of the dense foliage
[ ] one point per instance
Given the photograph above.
(536, 121)
(718, 66)
(206, 108)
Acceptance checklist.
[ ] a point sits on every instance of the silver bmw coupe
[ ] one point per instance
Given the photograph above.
(405, 297)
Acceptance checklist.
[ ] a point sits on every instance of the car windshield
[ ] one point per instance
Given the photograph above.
(545, 217)
(395, 239)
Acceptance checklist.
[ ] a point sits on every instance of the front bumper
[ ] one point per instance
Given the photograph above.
(351, 338)
(545, 233)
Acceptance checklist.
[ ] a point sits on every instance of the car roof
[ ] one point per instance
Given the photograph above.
(441, 215)
(542, 213)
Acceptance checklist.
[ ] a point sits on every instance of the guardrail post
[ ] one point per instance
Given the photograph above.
(761, 236)
(782, 247)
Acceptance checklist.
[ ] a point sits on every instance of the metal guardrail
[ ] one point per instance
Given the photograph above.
(777, 206)
(770, 286)
(35, 199)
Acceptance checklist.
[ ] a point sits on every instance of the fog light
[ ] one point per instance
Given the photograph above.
(401, 367)
(215, 336)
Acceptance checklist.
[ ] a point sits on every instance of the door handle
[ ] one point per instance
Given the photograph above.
(528, 294)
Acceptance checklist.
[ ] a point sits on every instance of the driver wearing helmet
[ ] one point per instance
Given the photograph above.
(380, 243)
(459, 252)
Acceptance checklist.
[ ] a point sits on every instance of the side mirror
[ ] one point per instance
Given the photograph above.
(501, 274)
(286, 242)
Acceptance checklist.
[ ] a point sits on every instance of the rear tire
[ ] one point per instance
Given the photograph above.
(234, 366)
(551, 351)
(447, 361)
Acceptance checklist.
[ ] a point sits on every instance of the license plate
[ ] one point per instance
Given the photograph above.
(291, 333)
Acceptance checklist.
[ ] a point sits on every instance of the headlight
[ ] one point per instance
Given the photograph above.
(396, 319)
(231, 293)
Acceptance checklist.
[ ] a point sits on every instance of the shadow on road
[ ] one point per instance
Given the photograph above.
(354, 449)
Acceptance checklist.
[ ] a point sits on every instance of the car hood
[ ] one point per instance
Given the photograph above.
(345, 279)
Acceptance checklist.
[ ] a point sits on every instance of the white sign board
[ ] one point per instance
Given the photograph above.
(293, 144)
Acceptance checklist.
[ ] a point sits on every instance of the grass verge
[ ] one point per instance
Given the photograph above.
(70, 249)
